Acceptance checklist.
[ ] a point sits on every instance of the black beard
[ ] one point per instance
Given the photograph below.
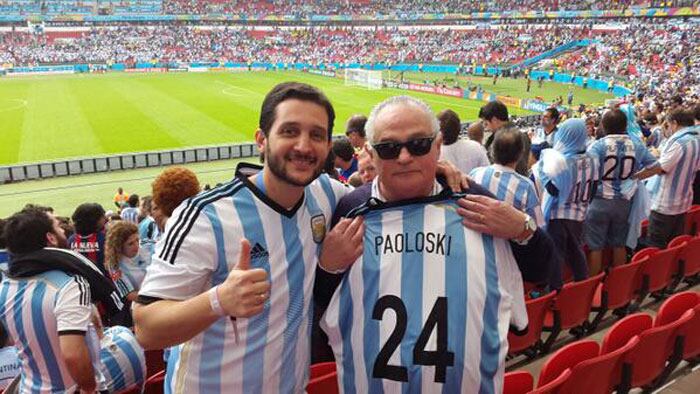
(276, 165)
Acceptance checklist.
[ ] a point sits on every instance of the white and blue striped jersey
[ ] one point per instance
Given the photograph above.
(133, 270)
(584, 175)
(201, 244)
(36, 311)
(680, 160)
(620, 156)
(122, 360)
(510, 187)
(130, 215)
(121, 282)
(10, 366)
(148, 236)
(428, 305)
(541, 136)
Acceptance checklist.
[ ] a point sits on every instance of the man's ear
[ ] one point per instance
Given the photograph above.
(51, 240)
(260, 140)
(438, 142)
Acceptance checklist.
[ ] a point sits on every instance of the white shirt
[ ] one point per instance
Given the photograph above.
(465, 155)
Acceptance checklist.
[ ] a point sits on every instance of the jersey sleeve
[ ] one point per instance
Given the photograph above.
(73, 307)
(184, 259)
(646, 159)
(670, 157)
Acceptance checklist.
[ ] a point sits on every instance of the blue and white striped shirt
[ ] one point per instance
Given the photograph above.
(35, 311)
(620, 156)
(680, 160)
(202, 243)
(511, 188)
(427, 306)
(122, 360)
(130, 215)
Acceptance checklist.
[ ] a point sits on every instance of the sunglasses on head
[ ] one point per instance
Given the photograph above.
(416, 147)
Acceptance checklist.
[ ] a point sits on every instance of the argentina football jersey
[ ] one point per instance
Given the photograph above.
(428, 305)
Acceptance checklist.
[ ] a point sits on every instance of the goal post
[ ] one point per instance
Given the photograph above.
(370, 79)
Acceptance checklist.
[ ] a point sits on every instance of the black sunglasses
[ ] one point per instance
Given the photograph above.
(416, 147)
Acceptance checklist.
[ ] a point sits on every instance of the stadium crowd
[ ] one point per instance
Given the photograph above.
(559, 180)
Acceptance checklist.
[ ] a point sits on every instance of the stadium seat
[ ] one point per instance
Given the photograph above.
(571, 309)
(154, 362)
(692, 220)
(689, 260)
(600, 374)
(554, 386)
(326, 384)
(644, 253)
(154, 384)
(566, 358)
(655, 273)
(616, 292)
(648, 358)
(675, 306)
(320, 369)
(678, 269)
(530, 343)
(517, 382)
(691, 348)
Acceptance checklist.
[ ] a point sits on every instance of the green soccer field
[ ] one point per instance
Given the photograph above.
(44, 118)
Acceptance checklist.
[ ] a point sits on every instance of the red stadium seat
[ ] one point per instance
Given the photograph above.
(600, 374)
(679, 240)
(692, 220)
(553, 387)
(321, 369)
(530, 343)
(154, 362)
(566, 358)
(154, 384)
(326, 384)
(616, 291)
(644, 253)
(517, 382)
(691, 348)
(648, 358)
(655, 274)
(678, 269)
(689, 260)
(673, 308)
(571, 309)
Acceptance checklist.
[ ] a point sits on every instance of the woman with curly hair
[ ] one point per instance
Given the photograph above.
(123, 265)
(170, 188)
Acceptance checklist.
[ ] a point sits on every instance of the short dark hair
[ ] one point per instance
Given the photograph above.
(293, 90)
(26, 230)
(554, 113)
(682, 116)
(86, 217)
(494, 109)
(450, 126)
(356, 124)
(133, 200)
(343, 148)
(614, 122)
(507, 146)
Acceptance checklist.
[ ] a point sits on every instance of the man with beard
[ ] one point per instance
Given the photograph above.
(197, 299)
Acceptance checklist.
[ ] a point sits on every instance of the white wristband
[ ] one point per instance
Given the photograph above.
(214, 302)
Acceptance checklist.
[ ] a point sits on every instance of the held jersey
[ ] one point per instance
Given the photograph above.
(680, 160)
(427, 306)
(201, 244)
(511, 188)
(620, 156)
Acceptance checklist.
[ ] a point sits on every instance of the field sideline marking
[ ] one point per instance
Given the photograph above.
(21, 103)
(236, 87)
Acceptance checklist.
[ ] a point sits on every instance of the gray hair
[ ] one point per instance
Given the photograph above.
(400, 100)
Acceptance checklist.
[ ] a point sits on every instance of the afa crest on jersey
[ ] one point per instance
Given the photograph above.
(318, 228)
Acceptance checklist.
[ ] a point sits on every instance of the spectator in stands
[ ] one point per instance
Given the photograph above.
(345, 160)
(365, 166)
(355, 131)
(10, 365)
(494, 117)
(148, 229)
(131, 212)
(607, 218)
(544, 135)
(173, 186)
(679, 161)
(89, 238)
(123, 265)
(501, 179)
(120, 199)
(464, 154)
(475, 132)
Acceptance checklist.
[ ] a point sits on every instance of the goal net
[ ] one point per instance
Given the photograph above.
(370, 79)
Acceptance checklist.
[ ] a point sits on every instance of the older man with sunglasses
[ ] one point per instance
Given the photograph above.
(420, 261)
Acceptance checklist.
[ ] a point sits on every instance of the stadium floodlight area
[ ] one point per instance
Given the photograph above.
(370, 79)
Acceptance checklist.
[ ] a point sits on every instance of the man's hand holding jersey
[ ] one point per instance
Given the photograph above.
(342, 245)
